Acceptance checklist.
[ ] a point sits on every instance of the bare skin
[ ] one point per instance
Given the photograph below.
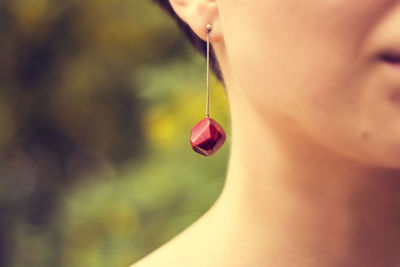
(314, 170)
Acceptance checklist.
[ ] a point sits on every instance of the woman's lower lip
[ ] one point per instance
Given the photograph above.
(393, 64)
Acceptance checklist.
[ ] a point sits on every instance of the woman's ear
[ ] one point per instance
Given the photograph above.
(197, 14)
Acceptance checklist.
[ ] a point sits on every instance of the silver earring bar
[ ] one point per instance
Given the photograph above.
(209, 28)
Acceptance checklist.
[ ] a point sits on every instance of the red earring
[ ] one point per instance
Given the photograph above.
(207, 136)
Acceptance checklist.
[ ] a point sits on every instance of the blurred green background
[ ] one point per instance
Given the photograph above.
(97, 100)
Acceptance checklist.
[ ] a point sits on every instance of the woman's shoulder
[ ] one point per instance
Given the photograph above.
(172, 253)
(188, 248)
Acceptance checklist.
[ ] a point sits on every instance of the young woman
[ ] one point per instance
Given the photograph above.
(314, 171)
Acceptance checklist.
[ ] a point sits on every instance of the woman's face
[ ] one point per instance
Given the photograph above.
(317, 63)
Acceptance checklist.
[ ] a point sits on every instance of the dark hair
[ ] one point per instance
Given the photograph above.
(197, 42)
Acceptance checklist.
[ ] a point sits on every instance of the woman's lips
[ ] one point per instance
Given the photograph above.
(391, 58)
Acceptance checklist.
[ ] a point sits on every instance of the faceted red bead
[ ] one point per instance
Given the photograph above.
(207, 137)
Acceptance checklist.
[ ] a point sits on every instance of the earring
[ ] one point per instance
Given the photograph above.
(207, 136)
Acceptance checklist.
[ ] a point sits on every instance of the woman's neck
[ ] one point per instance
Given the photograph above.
(292, 202)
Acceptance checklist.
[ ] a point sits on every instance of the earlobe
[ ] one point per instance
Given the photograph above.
(178, 3)
(197, 14)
